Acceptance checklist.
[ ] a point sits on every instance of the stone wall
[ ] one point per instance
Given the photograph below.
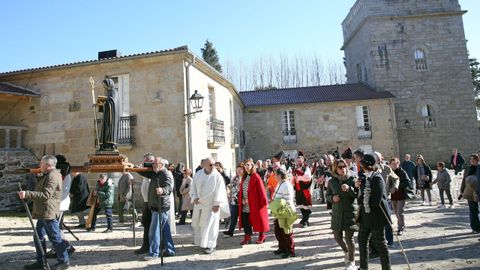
(321, 127)
(14, 165)
(383, 48)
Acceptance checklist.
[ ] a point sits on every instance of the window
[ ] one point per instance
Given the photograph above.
(428, 116)
(211, 103)
(420, 60)
(288, 126)
(359, 73)
(121, 85)
(364, 130)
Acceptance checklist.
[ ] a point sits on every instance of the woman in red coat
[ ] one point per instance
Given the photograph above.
(253, 206)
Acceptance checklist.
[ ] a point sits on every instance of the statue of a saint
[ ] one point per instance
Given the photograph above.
(109, 127)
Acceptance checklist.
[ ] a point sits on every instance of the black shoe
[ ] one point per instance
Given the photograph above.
(80, 226)
(228, 233)
(166, 254)
(180, 223)
(91, 230)
(34, 266)
(108, 231)
(279, 251)
(70, 250)
(141, 251)
(51, 254)
(304, 224)
(60, 266)
(287, 255)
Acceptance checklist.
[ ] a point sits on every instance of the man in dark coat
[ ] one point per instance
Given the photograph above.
(79, 191)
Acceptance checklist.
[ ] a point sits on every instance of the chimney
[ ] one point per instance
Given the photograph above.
(108, 54)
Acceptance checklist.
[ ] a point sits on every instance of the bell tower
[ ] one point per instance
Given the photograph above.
(417, 51)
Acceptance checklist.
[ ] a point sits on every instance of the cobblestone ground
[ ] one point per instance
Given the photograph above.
(435, 239)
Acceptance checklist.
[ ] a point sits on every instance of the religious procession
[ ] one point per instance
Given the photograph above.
(265, 201)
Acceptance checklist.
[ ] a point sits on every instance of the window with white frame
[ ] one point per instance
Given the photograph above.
(420, 59)
(211, 103)
(364, 129)
(121, 84)
(288, 126)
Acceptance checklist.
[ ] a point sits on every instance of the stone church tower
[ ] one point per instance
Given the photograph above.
(417, 51)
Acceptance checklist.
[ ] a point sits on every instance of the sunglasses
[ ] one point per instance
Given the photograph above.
(341, 167)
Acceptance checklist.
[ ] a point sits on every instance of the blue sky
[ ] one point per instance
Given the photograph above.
(42, 33)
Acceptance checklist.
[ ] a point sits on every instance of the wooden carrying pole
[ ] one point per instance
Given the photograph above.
(35, 234)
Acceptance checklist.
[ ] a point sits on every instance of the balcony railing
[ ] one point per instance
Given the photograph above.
(125, 130)
(216, 133)
(429, 122)
(126, 125)
(364, 133)
(420, 64)
(289, 136)
(7, 136)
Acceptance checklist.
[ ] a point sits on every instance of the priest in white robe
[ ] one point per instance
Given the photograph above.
(209, 196)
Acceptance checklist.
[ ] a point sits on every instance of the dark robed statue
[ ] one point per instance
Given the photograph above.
(109, 128)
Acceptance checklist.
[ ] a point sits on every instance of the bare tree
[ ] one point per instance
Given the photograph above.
(283, 72)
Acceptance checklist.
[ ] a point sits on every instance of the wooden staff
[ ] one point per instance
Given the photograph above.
(398, 240)
(35, 234)
(94, 103)
(134, 216)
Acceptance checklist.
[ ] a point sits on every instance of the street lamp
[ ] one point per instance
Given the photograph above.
(197, 103)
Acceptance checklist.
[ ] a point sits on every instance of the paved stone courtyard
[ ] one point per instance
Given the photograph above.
(435, 239)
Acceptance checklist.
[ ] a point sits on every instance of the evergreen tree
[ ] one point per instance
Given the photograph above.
(475, 71)
(209, 54)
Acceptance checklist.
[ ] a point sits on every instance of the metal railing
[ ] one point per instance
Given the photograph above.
(125, 130)
(364, 133)
(420, 64)
(429, 122)
(216, 133)
(289, 136)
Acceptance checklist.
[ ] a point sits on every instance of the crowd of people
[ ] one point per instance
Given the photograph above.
(361, 192)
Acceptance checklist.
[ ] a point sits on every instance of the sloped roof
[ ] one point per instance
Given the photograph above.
(12, 89)
(181, 48)
(312, 94)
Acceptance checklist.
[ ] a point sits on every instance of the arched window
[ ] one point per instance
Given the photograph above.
(428, 116)
(420, 59)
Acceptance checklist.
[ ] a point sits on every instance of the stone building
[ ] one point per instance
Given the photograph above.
(416, 50)
(318, 119)
(48, 110)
